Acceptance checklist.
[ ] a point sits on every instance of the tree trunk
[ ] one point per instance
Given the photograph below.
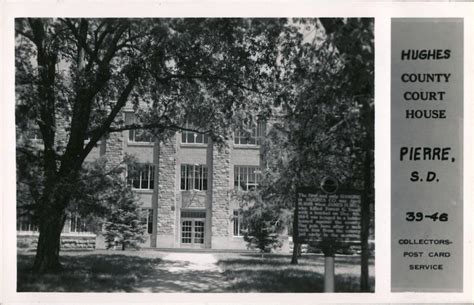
(294, 257)
(123, 246)
(47, 253)
(52, 216)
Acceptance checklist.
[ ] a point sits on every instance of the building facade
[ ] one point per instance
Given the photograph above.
(186, 186)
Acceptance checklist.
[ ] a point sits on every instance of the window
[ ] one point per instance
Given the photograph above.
(246, 178)
(237, 221)
(148, 220)
(77, 225)
(193, 214)
(149, 224)
(193, 177)
(190, 137)
(25, 223)
(254, 138)
(137, 135)
(142, 178)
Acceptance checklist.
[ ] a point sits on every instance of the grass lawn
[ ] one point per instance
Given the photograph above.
(89, 271)
(150, 271)
(251, 273)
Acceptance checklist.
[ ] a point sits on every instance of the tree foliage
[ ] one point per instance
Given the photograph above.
(324, 123)
(262, 224)
(320, 130)
(75, 76)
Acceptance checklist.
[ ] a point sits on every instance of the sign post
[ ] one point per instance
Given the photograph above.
(329, 186)
(329, 274)
(328, 217)
(328, 247)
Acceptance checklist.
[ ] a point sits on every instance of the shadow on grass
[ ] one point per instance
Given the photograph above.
(251, 273)
(115, 272)
(86, 273)
(130, 271)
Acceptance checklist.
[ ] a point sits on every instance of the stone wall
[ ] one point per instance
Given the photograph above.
(221, 169)
(61, 136)
(114, 148)
(167, 187)
(29, 241)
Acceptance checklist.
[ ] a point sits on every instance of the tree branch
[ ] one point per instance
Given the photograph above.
(114, 43)
(81, 41)
(157, 126)
(98, 133)
(208, 77)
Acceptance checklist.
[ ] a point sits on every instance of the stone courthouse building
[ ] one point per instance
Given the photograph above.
(185, 186)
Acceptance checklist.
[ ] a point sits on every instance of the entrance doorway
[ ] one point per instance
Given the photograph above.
(192, 228)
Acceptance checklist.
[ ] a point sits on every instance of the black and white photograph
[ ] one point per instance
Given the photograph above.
(223, 155)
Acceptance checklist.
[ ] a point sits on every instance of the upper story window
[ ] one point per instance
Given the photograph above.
(143, 178)
(193, 177)
(190, 137)
(254, 138)
(140, 136)
(137, 135)
(246, 178)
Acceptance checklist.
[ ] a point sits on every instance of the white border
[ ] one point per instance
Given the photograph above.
(381, 11)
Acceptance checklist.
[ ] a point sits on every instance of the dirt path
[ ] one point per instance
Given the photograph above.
(185, 272)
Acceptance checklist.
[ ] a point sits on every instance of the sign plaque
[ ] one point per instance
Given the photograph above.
(323, 216)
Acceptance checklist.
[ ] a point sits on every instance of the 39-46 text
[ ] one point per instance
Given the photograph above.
(419, 216)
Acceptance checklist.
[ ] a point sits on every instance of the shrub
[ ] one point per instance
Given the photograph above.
(124, 227)
(263, 225)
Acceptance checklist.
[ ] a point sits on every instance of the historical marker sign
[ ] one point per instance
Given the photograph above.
(328, 216)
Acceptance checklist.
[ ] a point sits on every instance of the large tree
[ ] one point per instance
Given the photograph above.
(75, 76)
(325, 126)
